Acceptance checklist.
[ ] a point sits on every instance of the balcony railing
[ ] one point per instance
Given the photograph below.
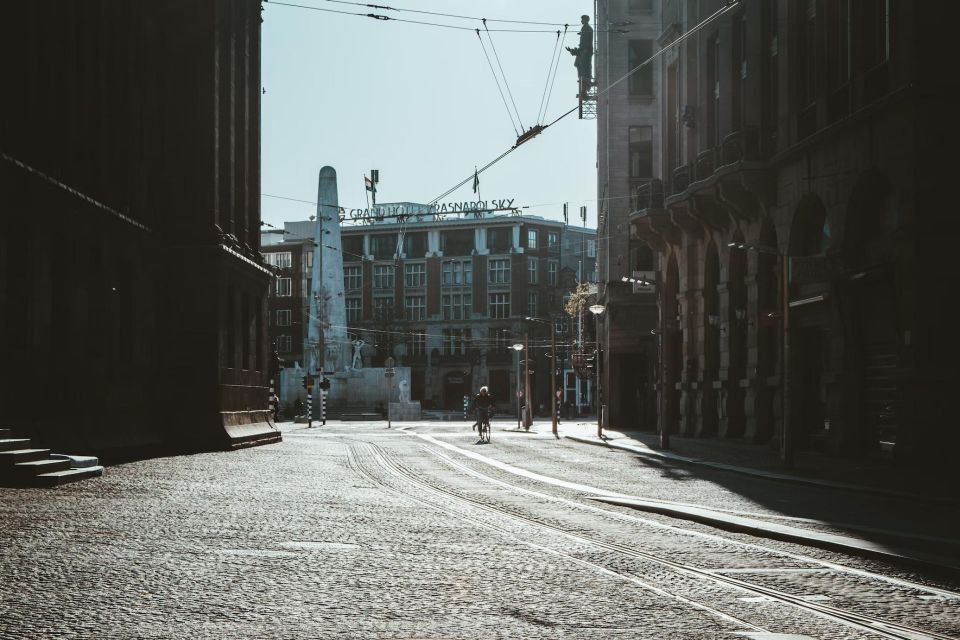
(649, 195)
(681, 179)
(706, 163)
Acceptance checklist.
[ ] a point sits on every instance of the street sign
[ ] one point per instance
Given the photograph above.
(388, 372)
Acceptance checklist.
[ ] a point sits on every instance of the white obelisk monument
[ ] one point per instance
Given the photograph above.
(329, 349)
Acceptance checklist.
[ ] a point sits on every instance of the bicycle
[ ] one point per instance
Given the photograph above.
(483, 425)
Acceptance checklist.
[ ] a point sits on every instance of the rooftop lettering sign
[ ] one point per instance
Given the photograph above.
(434, 212)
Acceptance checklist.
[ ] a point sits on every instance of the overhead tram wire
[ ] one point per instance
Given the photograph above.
(442, 15)
(554, 60)
(497, 80)
(554, 79)
(505, 83)
(538, 129)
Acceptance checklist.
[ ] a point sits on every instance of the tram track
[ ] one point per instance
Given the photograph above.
(386, 463)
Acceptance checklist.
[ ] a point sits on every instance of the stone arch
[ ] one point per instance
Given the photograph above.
(768, 331)
(872, 338)
(709, 411)
(673, 344)
(810, 230)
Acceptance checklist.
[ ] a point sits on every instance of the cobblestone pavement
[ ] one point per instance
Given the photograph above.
(356, 531)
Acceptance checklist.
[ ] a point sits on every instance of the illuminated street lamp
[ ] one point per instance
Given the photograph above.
(596, 310)
(518, 347)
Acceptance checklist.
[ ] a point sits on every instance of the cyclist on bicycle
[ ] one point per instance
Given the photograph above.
(483, 406)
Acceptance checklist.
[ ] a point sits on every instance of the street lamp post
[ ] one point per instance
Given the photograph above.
(786, 432)
(553, 369)
(596, 310)
(660, 331)
(518, 347)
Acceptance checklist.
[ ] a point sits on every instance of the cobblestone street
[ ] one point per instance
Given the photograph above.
(356, 531)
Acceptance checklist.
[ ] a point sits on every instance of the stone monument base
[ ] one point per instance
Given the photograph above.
(405, 411)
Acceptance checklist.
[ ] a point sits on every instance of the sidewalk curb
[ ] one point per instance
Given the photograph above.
(766, 475)
(760, 528)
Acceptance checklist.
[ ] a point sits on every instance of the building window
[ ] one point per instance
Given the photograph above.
(532, 270)
(640, 6)
(383, 308)
(416, 307)
(284, 344)
(283, 287)
(713, 86)
(415, 275)
(383, 247)
(457, 242)
(383, 276)
(641, 152)
(500, 340)
(309, 258)
(282, 259)
(499, 305)
(553, 238)
(415, 245)
(532, 304)
(457, 272)
(500, 239)
(455, 341)
(456, 306)
(641, 82)
(500, 271)
(807, 76)
(591, 248)
(532, 239)
(354, 310)
(352, 277)
(417, 344)
(872, 35)
(283, 317)
(552, 272)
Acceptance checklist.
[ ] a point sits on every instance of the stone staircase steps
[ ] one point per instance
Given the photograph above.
(11, 457)
(23, 466)
(6, 444)
(56, 478)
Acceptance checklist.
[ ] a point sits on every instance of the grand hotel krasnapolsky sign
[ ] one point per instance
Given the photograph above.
(437, 211)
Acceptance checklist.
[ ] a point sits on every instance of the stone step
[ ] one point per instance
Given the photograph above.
(6, 444)
(56, 478)
(14, 456)
(77, 462)
(36, 467)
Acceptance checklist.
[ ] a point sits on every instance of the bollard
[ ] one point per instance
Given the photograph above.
(323, 407)
(309, 410)
(466, 405)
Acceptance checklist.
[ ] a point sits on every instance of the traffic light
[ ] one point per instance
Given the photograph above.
(325, 384)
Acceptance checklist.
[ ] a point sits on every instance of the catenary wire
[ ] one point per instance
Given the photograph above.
(497, 80)
(503, 74)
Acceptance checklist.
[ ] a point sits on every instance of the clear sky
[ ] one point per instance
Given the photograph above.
(420, 104)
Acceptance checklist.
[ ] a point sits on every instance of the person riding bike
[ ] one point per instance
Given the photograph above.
(483, 406)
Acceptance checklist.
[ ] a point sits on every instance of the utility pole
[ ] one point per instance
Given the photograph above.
(787, 444)
(553, 376)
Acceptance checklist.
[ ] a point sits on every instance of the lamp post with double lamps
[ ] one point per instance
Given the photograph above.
(597, 310)
(518, 347)
(786, 434)
(553, 369)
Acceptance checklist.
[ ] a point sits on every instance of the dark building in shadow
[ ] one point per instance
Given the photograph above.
(816, 137)
(132, 290)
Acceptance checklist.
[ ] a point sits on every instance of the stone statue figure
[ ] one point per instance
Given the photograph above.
(404, 390)
(358, 354)
(583, 55)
